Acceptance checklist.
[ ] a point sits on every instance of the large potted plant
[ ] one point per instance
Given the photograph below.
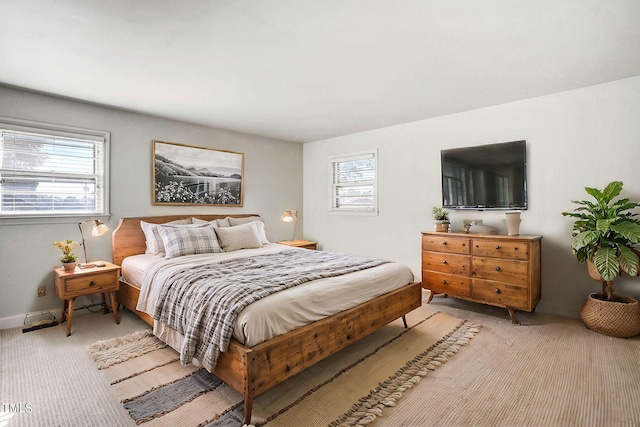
(605, 233)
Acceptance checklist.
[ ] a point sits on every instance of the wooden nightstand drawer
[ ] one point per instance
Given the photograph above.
(91, 283)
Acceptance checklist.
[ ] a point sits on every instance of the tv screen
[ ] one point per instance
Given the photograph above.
(482, 177)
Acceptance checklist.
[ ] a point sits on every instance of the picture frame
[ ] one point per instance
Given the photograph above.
(190, 175)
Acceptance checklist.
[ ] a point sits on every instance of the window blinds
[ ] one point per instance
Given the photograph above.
(43, 174)
(354, 182)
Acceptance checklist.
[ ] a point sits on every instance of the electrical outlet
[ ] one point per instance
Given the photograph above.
(42, 291)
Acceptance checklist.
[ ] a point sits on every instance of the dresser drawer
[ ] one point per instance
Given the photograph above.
(501, 249)
(446, 263)
(446, 284)
(503, 270)
(500, 293)
(453, 245)
(91, 283)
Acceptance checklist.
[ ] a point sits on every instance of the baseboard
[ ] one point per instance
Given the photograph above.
(22, 320)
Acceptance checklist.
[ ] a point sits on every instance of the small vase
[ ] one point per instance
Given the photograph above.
(69, 266)
(513, 223)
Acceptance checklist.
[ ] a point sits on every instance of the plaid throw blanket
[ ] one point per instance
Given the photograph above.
(203, 303)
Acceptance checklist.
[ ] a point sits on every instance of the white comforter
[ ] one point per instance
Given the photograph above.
(278, 313)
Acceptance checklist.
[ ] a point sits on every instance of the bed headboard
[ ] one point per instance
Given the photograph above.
(128, 238)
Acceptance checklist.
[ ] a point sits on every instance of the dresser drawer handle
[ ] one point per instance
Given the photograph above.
(498, 268)
(444, 282)
(497, 246)
(92, 283)
(444, 243)
(444, 261)
(497, 291)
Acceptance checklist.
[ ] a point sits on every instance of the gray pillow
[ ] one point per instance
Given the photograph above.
(243, 236)
(262, 233)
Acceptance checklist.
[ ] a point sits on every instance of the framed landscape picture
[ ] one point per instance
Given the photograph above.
(187, 175)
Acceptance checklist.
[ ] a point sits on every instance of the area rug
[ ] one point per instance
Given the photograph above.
(353, 387)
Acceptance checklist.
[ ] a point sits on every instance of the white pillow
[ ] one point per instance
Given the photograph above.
(218, 222)
(179, 241)
(243, 236)
(153, 240)
(262, 233)
(202, 221)
(224, 222)
(243, 220)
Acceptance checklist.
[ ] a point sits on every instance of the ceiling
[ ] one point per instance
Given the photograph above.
(305, 70)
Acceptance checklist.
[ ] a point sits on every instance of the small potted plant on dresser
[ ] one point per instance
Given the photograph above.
(440, 219)
(605, 233)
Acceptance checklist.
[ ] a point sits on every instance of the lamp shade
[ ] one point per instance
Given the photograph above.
(289, 216)
(99, 228)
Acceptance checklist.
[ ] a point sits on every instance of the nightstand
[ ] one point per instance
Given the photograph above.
(71, 284)
(300, 244)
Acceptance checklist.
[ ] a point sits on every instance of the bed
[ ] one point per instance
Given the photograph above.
(253, 369)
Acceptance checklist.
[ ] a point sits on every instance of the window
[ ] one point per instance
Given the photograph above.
(52, 171)
(354, 186)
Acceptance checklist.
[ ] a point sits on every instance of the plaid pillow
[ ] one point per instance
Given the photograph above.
(188, 240)
(239, 237)
(152, 238)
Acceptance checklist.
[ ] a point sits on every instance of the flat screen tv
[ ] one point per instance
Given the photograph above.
(483, 177)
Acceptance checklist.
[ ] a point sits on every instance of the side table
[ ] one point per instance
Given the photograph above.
(306, 244)
(71, 284)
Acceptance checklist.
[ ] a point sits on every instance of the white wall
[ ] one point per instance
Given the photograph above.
(273, 183)
(585, 137)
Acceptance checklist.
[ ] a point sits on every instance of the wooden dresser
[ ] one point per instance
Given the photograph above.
(492, 269)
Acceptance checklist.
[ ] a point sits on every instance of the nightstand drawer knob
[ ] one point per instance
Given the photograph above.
(444, 261)
(444, 282)
(444, 243)
(92, 283)
(497, 291)
(498, 268)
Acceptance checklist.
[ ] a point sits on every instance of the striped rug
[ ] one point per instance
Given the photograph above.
(351, 388)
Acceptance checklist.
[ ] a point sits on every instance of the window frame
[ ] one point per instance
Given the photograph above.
(55, 130)
(350, 157)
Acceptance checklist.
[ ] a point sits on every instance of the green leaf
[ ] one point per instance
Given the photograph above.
(628, 261)
(612, 190)
(583, 239)
(597, 194)
(629, 230)
(607, 263)
(602, 225)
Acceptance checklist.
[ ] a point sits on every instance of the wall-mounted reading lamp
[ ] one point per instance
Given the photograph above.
(291, 216)
(98, 229)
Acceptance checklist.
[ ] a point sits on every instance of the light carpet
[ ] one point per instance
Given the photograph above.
(354, 387)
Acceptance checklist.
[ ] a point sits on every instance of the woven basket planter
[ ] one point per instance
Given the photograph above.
(616, 319)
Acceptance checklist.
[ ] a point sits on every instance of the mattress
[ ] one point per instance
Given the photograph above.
(281, 312)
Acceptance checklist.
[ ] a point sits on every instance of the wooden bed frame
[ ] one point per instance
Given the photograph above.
(252, 371)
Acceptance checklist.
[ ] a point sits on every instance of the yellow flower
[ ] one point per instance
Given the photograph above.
(67, 250)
